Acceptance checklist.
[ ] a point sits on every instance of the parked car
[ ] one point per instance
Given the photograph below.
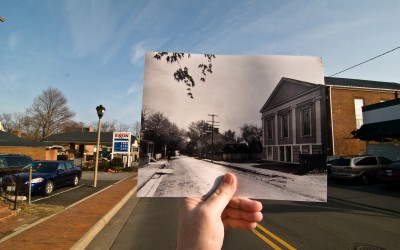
(14, 160)
(390, 175)
(13, 163)
(361, 168)
(329, 161)
(46, 176)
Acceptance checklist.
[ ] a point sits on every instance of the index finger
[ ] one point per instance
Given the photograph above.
(245, 204)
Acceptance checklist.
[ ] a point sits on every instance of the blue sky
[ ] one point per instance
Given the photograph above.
(93, 51)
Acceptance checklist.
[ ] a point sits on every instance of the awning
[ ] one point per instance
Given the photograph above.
(378, 131)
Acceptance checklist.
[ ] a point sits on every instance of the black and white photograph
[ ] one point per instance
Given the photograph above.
(260, 117)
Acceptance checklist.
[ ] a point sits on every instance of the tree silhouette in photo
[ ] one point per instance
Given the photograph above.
(182, 73)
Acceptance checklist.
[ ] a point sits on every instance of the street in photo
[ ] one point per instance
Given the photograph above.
(259, 117)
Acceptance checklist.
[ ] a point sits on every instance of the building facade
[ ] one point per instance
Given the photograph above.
(381, 129)
(347, 97)
(306, 118)
(293, 121)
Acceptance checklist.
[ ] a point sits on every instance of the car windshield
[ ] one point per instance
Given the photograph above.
(43, 167)
(341, 162)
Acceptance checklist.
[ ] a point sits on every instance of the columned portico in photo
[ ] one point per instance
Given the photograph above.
(292, 121)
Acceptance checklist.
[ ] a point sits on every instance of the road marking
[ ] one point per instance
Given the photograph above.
(273, 236)
(44, 198)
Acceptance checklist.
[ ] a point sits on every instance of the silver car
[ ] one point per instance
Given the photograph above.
(361, 168)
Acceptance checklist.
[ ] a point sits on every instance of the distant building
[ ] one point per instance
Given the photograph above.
(306, 118)
(14, 144)
(81, 144)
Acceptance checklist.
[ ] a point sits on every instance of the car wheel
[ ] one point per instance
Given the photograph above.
(48, 188)
(75, 182)
(365, 179)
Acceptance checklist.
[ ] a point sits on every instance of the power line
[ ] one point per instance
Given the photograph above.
(387, 52)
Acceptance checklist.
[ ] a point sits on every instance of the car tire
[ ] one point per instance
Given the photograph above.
(48, 188)
(75, 181)
(365, 179)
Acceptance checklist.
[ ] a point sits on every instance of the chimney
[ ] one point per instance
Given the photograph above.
(18, 133)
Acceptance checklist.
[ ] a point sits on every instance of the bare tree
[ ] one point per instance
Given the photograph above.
(48, 113)
(163, 133)
(252, 135)
(136, 129)
(123, 127)
(72, 126)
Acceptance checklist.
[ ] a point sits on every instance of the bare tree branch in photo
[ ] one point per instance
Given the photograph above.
(182, 73)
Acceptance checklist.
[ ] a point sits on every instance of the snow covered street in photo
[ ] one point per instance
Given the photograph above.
(185, 176)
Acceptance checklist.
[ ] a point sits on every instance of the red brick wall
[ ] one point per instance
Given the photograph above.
(34, 152)
(344, 121)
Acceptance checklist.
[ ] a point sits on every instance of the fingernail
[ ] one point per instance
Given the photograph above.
(228, 179)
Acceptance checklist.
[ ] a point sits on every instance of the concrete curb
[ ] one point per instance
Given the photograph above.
(85, 240)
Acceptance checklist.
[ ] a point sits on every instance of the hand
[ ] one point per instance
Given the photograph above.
(202, 220)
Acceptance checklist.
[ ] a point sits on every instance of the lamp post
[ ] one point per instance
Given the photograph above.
(100, 112)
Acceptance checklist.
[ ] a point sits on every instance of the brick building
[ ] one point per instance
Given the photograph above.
(306, 118)
(14, 144)
(347, 97)
(381, 129)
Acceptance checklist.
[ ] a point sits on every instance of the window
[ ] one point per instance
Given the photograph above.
(269, 129)
(269, 152)
(368, 161)
(285, 126)
(306, 121)
(358, 103)
(384, 161)
(61, 166)
(69, 165)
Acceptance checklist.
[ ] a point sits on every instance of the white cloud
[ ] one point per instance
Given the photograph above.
(137, 54)
(134, 89)
(12, 41)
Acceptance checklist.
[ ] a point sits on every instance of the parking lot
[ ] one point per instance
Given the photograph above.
(69, 195)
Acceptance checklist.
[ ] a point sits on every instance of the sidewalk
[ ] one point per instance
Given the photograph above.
(147, 171)
(77, 225)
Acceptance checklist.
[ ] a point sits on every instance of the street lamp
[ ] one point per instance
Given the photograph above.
(100, 112)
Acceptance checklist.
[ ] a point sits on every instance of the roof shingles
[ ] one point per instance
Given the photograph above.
(335, 81)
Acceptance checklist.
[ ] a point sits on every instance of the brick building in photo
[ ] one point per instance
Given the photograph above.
(306, 118)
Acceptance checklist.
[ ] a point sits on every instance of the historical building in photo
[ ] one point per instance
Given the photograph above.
(294, 121)
(305, 118)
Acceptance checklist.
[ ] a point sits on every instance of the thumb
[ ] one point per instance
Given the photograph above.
(221, 196)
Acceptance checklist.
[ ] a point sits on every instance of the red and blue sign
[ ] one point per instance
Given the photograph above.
(121, 142)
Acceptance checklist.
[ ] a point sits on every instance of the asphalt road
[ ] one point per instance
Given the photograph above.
(354, 217)
(66, 196)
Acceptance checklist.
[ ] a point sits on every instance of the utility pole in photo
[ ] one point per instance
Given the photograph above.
(212, 128)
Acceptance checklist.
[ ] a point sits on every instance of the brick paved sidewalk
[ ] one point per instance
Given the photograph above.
(65, 229)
